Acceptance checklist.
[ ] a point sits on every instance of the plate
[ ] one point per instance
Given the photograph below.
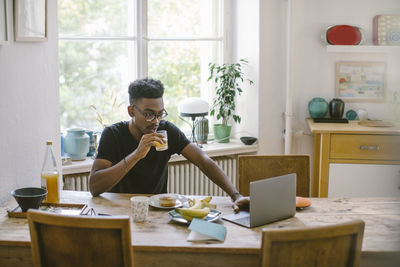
(375, 123)
(180, 201)
(302, 202)
(212, 216)
(345, 35)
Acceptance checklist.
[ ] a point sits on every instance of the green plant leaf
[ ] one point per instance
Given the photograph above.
(228, 79)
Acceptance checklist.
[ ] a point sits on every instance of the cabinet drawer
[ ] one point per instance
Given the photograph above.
(360, 146)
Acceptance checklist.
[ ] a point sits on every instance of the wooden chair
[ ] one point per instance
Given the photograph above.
(63, 240)
(337, 245)
(253, 168)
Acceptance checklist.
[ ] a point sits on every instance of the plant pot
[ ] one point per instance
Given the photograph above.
(222, 133)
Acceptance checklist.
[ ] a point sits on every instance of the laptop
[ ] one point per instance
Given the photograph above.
(271, 200)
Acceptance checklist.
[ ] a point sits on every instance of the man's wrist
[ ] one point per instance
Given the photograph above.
(235, 195)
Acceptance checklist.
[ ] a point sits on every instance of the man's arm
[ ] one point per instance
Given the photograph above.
(215, 173)
(105, 176)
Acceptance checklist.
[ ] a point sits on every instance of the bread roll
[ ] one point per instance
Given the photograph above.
(167, 201)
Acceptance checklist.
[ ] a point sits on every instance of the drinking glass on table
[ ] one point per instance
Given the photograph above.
(161, 146)
(140, 208)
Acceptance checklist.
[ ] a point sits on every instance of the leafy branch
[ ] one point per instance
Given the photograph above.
(102, 118)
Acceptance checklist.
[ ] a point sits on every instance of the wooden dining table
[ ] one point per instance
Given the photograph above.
(161, 241)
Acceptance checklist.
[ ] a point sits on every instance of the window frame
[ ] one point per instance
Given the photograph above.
(140, 36)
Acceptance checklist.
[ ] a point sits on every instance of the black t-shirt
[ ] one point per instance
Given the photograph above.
(150, 174)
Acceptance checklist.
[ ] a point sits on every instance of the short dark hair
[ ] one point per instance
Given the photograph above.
(145, 88)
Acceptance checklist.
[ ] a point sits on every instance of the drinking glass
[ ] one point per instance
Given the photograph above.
(160, 146)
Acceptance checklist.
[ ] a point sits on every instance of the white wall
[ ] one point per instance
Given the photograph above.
(246, 45)
(312, 66)
(29, 106)
(271, 96)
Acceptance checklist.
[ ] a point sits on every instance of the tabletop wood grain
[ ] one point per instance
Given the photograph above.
(159, 233)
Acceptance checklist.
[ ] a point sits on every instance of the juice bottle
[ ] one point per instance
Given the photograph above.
(50, 175)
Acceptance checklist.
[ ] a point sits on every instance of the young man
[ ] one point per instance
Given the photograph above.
(127, 161)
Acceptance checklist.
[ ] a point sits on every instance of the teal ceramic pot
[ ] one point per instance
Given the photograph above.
(222, 133)
(317, 107)
(76, 143)
(351, 115)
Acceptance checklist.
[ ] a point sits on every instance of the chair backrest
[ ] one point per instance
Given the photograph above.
(337, 245)
(253, 168)
(65, 240)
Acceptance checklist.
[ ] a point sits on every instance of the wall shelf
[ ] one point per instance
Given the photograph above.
(362, 49)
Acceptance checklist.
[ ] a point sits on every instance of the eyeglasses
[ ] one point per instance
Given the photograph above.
(149, 116)
(92, 212)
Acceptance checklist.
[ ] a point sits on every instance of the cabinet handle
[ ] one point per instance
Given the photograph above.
(369, 147)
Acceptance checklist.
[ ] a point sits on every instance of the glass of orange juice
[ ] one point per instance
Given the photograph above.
(50, 182)
(161, 146)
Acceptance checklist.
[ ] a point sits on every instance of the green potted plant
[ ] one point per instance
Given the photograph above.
(228, 79)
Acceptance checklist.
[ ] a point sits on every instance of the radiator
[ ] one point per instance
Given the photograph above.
(76, 181)
(184, 178)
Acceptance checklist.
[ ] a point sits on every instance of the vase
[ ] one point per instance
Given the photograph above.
(222, 133)
(351, 115)
(362, 114)
(317, 107)
(202, 130)
(92, 149)
(336, 108)
(76, 143)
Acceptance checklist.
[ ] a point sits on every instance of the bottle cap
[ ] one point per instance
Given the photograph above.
(48, 142)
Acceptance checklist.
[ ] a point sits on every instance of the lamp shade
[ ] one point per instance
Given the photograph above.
(193, 107)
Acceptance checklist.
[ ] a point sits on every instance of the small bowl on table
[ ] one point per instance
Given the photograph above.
(248, 140)
(29, 197)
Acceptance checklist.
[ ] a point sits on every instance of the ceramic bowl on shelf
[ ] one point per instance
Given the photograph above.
(248, 140)
(343, 35)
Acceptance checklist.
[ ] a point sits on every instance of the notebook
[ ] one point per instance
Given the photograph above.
(206, 231)
(271, 200)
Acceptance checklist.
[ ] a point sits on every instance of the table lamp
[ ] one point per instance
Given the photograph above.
(193, 107)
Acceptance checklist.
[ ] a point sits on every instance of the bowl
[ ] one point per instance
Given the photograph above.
(248, 140)
(29, 197)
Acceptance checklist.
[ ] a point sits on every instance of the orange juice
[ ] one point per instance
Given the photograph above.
(50, 182)
(161, 147)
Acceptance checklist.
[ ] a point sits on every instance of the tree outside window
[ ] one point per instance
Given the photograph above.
(99, 44)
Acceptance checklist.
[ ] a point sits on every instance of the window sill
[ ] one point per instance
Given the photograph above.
(234, 147)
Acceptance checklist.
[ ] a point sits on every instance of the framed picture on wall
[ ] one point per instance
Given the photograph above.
(360, 81)
(30, 20)
(3, 22)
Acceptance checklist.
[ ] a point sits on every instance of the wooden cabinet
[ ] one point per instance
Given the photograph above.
(364, 146)
(353, 144)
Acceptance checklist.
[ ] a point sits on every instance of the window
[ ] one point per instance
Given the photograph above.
(106, 44)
